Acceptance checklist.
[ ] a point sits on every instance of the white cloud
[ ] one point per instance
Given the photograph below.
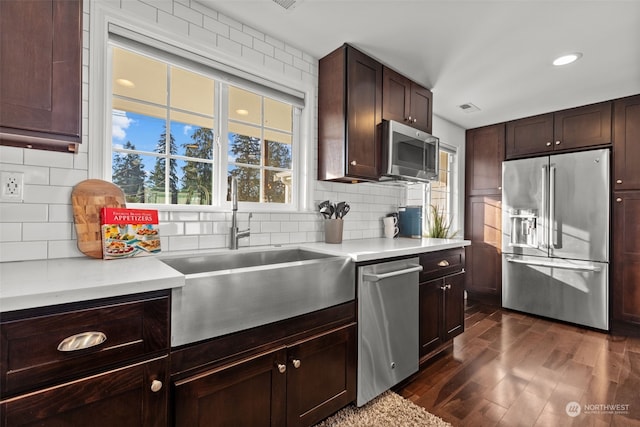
(187, 129)
(119, 124)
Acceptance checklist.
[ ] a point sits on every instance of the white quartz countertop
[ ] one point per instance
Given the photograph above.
(30, 284)
(361, 250)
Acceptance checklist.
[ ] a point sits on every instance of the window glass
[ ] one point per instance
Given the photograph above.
(253, 141)
(165, 142)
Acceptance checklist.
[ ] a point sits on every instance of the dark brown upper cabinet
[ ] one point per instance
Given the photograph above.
(349, 112)
(484, 156)
(565, 130)
(41, 69)
(626, 143)
(405, 101)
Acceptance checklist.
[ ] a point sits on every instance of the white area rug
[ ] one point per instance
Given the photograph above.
(387, 410)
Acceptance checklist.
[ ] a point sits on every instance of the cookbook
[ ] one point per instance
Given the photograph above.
(129, 232)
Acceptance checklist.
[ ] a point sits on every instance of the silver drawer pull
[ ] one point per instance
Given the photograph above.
(443, 263)
(82, 341)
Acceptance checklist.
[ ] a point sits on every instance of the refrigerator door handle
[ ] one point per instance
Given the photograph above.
(553, 242)
(545, 223)
(556, 265)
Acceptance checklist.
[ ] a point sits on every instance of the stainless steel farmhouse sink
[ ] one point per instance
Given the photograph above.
(232, 291)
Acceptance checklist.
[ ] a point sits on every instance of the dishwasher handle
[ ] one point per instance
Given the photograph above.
(377, 277)
(556, 264)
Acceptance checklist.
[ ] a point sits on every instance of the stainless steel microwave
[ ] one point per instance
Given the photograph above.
(408, 153)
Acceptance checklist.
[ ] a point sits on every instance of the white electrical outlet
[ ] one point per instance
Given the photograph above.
(12, 186)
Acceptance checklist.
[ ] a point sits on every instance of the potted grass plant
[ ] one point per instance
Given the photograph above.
(438, 224)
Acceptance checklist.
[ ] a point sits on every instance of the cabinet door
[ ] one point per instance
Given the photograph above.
(406, 101)
(483, 227)
(532, 135)
(122, 398)
(421, 107)
(431, 314)
(626, 143)
(40, 64)
(484, 156)
(582, 127)
(396, 96)
(626, 257)
(321, 376)
(453, 316)
(364, 113)
(247, 393)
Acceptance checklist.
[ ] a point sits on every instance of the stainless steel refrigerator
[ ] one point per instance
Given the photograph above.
(555, 237)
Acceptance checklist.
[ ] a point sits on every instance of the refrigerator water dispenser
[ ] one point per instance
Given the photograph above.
(524, 224)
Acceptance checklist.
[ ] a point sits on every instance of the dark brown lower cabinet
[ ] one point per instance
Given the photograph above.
(294, 385)
(131, 396)
(625, 289)
(441, 312)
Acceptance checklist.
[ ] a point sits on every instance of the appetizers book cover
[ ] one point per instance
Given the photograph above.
(129, 232)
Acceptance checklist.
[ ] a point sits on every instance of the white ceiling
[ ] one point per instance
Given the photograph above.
(494, 54)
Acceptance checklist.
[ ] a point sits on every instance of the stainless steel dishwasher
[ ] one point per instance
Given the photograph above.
(387, 325)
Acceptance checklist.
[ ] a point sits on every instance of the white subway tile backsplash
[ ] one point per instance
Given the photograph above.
(68, 177)
(139, 10)
(48, 158)
(283, 56)
(47, 194)
(274, 42)
(229, 21)
(183, 243)
(229, 46)
(10, 231)
(46, 231)
(215, 26)
(266, 48)
(171, 228)
(280, 238)
(23, 251)
(60, 213)
(162, 5)
(177, 25)
(202, 35)
(64, 249)
(11, 155)
(269, 227)
(188, 14)
(253, 32)
(241, 37)
(198, 228)
(184, 216)
(213, 241)
(257, 239)
(20, 212)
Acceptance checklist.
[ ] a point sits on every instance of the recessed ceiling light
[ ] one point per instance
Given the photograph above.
(242, 112)
(567, 59)
(125, 83)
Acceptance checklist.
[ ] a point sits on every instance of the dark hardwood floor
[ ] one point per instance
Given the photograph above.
(510, 369)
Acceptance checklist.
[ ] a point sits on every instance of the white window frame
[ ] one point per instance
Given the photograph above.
(103, 17)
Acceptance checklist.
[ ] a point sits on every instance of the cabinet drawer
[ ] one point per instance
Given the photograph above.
(441, 263)
(30, 356)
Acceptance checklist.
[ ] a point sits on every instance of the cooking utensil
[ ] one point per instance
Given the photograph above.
(326, 212)
(345, 210)
(88, 198)
(339, 209)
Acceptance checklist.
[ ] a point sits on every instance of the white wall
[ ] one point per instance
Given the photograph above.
(41, 226)
(454, 135)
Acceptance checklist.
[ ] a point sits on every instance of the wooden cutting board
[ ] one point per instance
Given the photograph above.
(88, 198)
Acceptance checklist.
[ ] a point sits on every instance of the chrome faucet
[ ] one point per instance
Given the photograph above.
(235, 233)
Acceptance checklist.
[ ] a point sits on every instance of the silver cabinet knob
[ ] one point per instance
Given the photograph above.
(618, 181)
(296, 363)
(557, 142)
(500, 188)
(282, 368)
(415, 120)
(353, 163)
(409, 119)
(548, 144)
(156, 386)
(619, 199)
